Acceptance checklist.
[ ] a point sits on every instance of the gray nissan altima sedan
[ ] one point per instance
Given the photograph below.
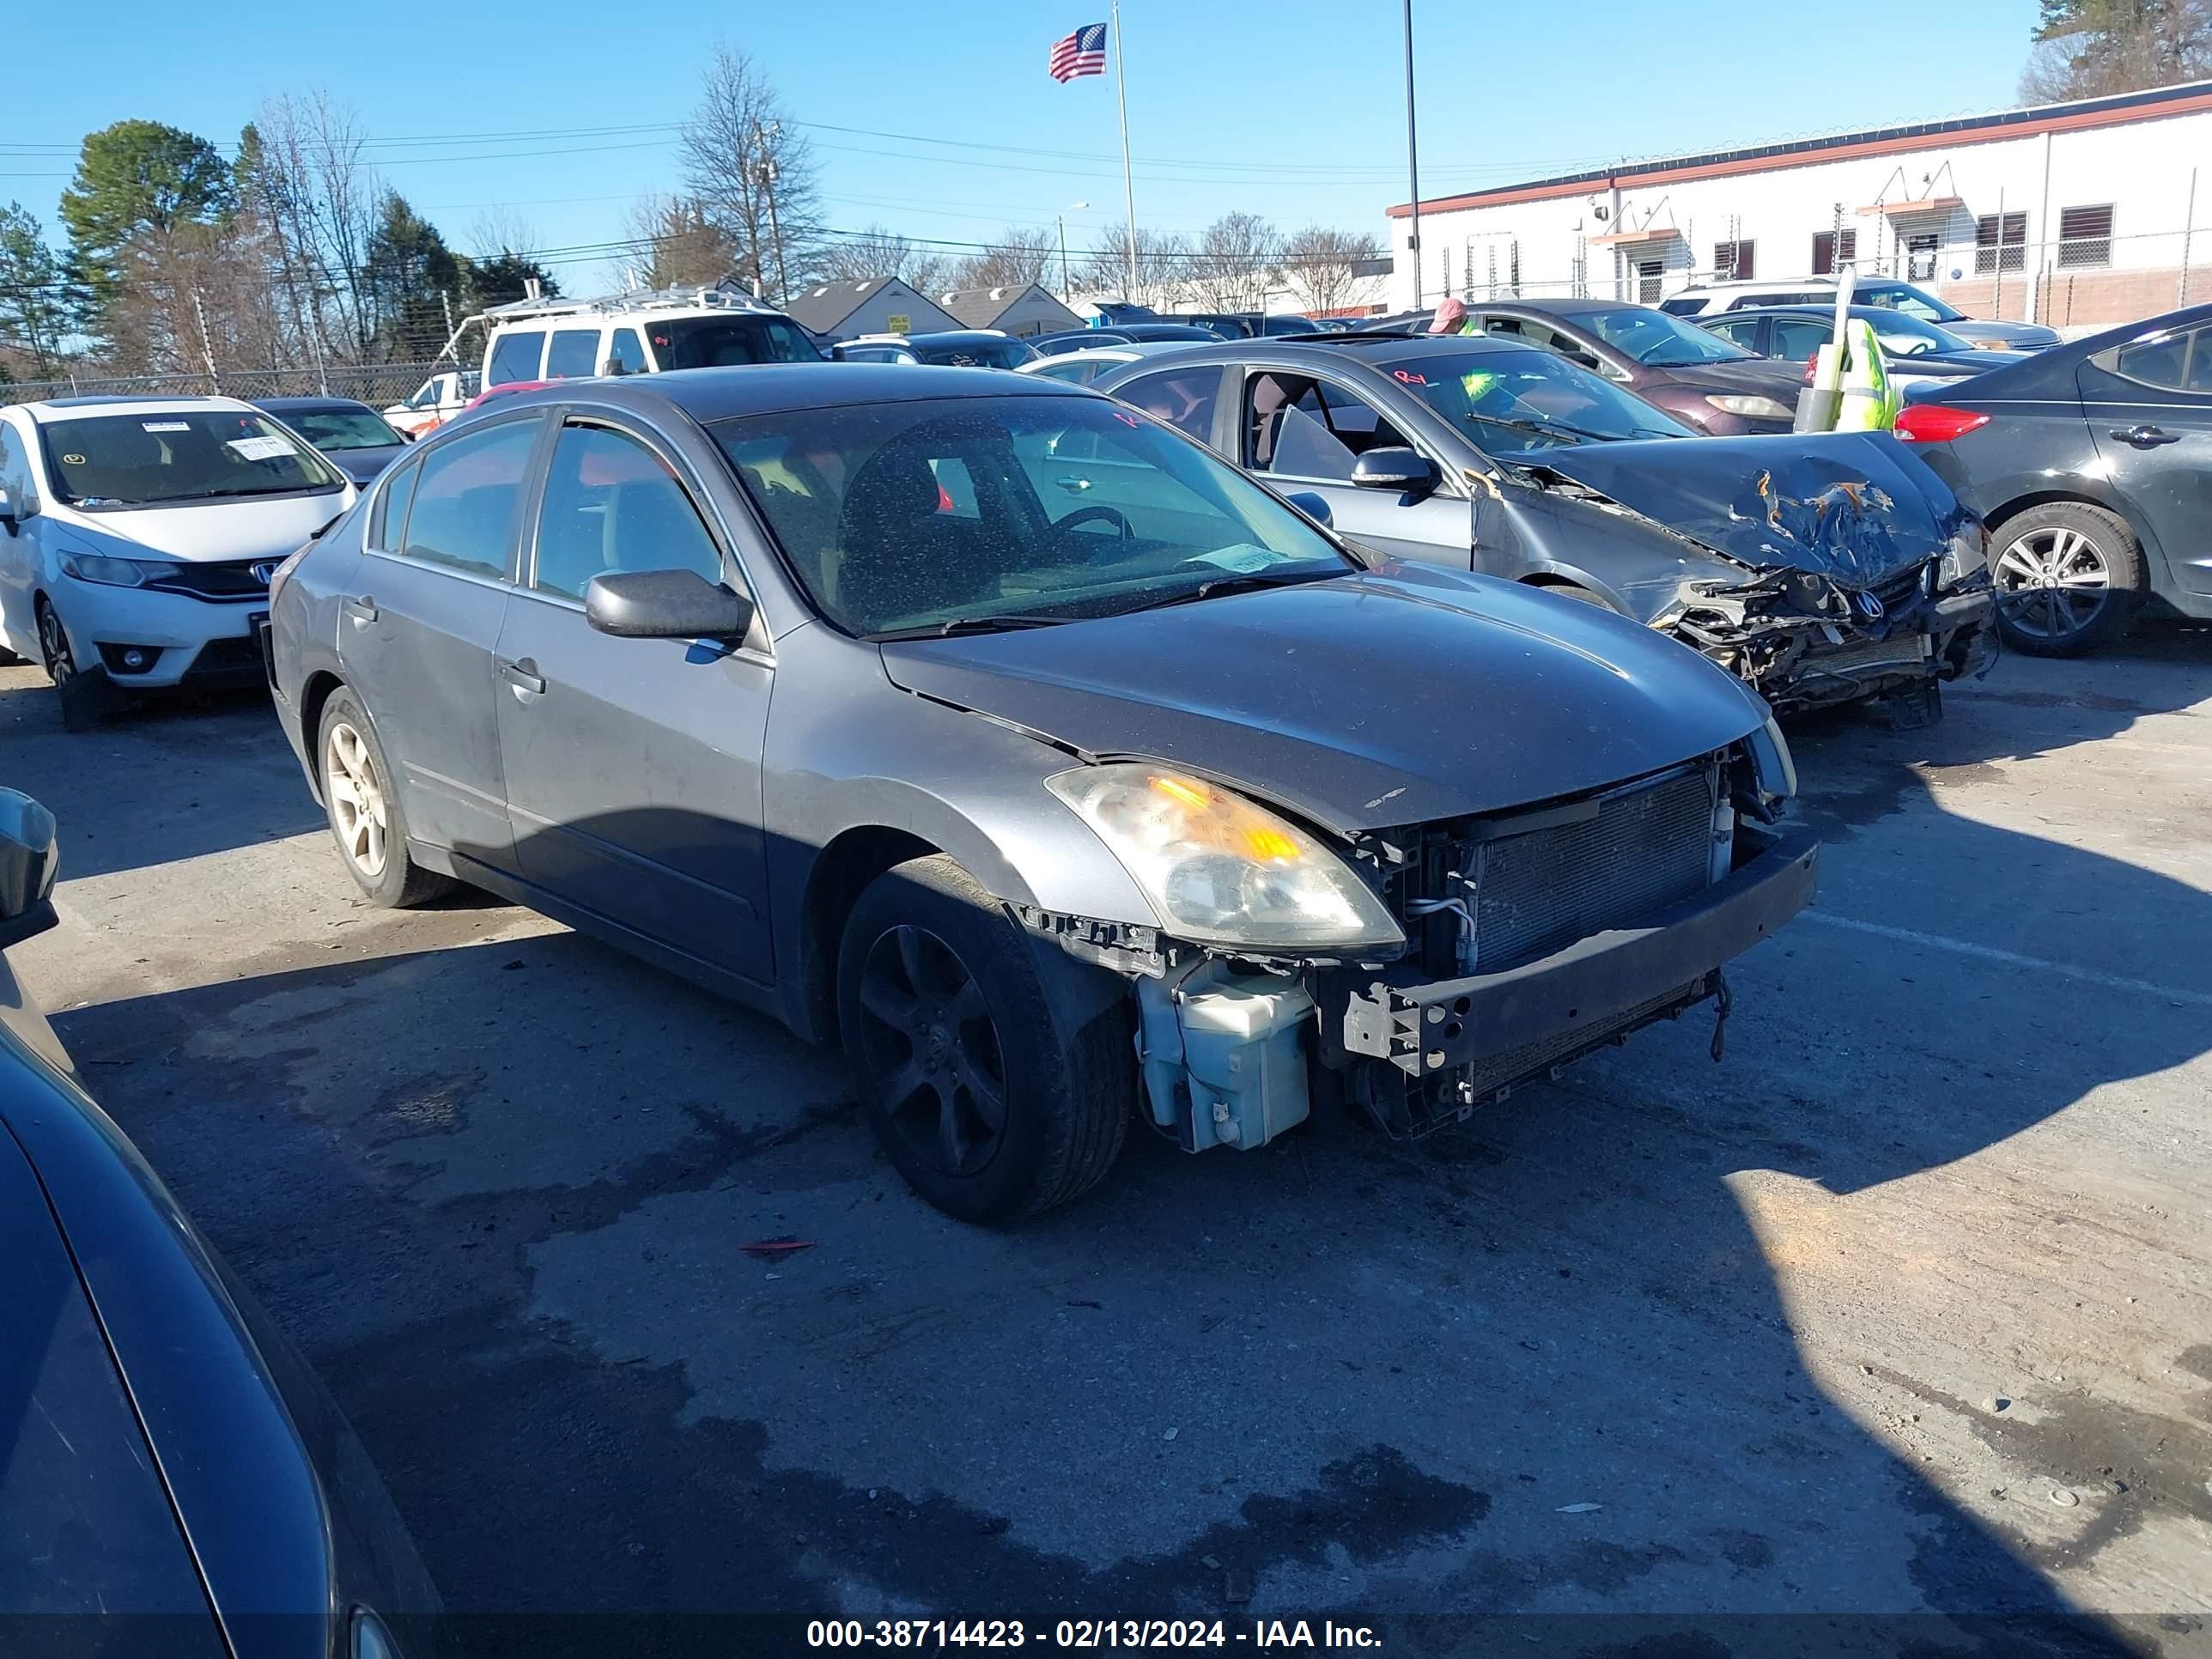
(1012, 741)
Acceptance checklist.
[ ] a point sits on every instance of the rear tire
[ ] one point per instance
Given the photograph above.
(2069, 578)
(961, 1067)
(1581, 595)
(366, 818)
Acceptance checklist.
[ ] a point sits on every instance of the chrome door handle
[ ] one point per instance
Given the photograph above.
(523, 676)
(362, 610)
(2145, 436)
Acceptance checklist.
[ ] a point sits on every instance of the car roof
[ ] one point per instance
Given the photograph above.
(1336, 347)
(708, 395)
(308, 405)
(1562, 306)
(63, 409)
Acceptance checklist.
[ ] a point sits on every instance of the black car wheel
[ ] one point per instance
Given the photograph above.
(2070, 577)
(54, 647)
(959, 1063)
(367, 819)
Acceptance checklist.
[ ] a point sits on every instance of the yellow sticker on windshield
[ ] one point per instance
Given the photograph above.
(1477, 384)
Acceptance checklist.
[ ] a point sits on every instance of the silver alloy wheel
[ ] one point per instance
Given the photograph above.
(53, 643)
(2053, 583)
(356, 796)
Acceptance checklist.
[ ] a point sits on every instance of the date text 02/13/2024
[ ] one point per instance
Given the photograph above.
(1086, 1633)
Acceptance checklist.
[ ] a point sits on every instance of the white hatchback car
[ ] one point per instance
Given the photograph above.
(137, 536)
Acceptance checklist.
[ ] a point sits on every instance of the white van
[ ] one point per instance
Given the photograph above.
(639, 333)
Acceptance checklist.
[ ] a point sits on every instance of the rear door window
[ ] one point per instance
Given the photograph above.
(515, 357)
(1183, 397)
(2159, 362)
(1744, 332)
(1799, 337)
(1301, 427)
(573, 354)
(467, 497)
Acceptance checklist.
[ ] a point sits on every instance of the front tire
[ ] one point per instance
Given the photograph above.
(2069, 578)
(979, 1102)
(366, 817)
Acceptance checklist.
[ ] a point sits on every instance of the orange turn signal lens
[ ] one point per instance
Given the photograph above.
(1182, 789)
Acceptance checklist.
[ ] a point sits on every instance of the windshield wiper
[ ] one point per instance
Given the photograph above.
(1219, 586)
(1006, 623)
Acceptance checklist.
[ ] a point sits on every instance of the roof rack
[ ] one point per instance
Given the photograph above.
(714, 296)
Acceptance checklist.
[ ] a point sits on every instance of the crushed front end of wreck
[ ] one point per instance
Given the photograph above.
(1821, 572)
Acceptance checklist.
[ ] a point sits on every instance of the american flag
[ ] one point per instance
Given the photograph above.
(1083, 52)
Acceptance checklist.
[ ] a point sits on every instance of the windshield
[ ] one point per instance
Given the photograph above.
(718, 342)
(975, 353)
(197, 454)
(930, 515)
(1659, 341)
(1903, 296)
(1508, 400)
(341, 428)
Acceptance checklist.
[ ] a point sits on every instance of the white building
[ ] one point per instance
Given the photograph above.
(2074, 215)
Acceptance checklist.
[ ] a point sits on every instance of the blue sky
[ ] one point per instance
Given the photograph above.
(1292, 109)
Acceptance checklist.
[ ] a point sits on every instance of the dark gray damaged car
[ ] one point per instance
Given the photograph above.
(1015, 743)
(1822, 569)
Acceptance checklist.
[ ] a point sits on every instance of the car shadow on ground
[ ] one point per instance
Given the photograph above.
(1542, 1366)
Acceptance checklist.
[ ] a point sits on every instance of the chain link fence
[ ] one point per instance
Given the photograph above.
(374, 384)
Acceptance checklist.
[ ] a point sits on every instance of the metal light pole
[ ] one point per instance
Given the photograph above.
(1413, 164)
(1060, 219)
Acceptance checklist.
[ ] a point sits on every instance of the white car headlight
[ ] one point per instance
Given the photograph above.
(1756, 409)
(1221, 870)
(1964, 555)
(113, 573)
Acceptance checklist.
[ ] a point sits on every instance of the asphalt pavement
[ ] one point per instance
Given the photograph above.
(1903, 1308)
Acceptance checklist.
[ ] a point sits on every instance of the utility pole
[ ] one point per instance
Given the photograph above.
(1128, 184)
(768, 181)
(1412, 165)
(207, 346)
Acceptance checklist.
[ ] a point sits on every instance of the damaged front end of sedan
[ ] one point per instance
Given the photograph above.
(1472, 955)
(1832, 573)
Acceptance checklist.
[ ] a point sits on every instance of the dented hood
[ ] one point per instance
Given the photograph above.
(1856, 506)
(1390, 696)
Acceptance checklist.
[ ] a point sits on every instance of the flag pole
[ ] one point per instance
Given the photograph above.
(1128, 187)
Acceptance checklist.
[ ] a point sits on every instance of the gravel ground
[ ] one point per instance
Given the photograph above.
(1904, 1309)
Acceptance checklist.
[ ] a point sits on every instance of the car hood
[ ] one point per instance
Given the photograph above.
(1851, 505)
(1753, 377)
(2027, 337)
(363, 464)
(1395, 695)
(211, 531)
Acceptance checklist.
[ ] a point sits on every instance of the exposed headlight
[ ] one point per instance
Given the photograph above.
(115, 573)
(1756, 409)
(1964, 555)
(1221, 870)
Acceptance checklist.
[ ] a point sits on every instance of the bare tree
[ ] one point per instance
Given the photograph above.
(752, 172)
(1015, 257)
(302, 173)
(856, 256)
(1163, 275)
(676, 244)
(502, 229)
(1234, 262)
(192, 292)
(1323, 264)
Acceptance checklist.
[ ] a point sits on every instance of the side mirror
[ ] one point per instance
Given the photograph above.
(609, 366)
(27, 868)
(1400, 472)
(1314, 504)
(665, 604)
(11, 513)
